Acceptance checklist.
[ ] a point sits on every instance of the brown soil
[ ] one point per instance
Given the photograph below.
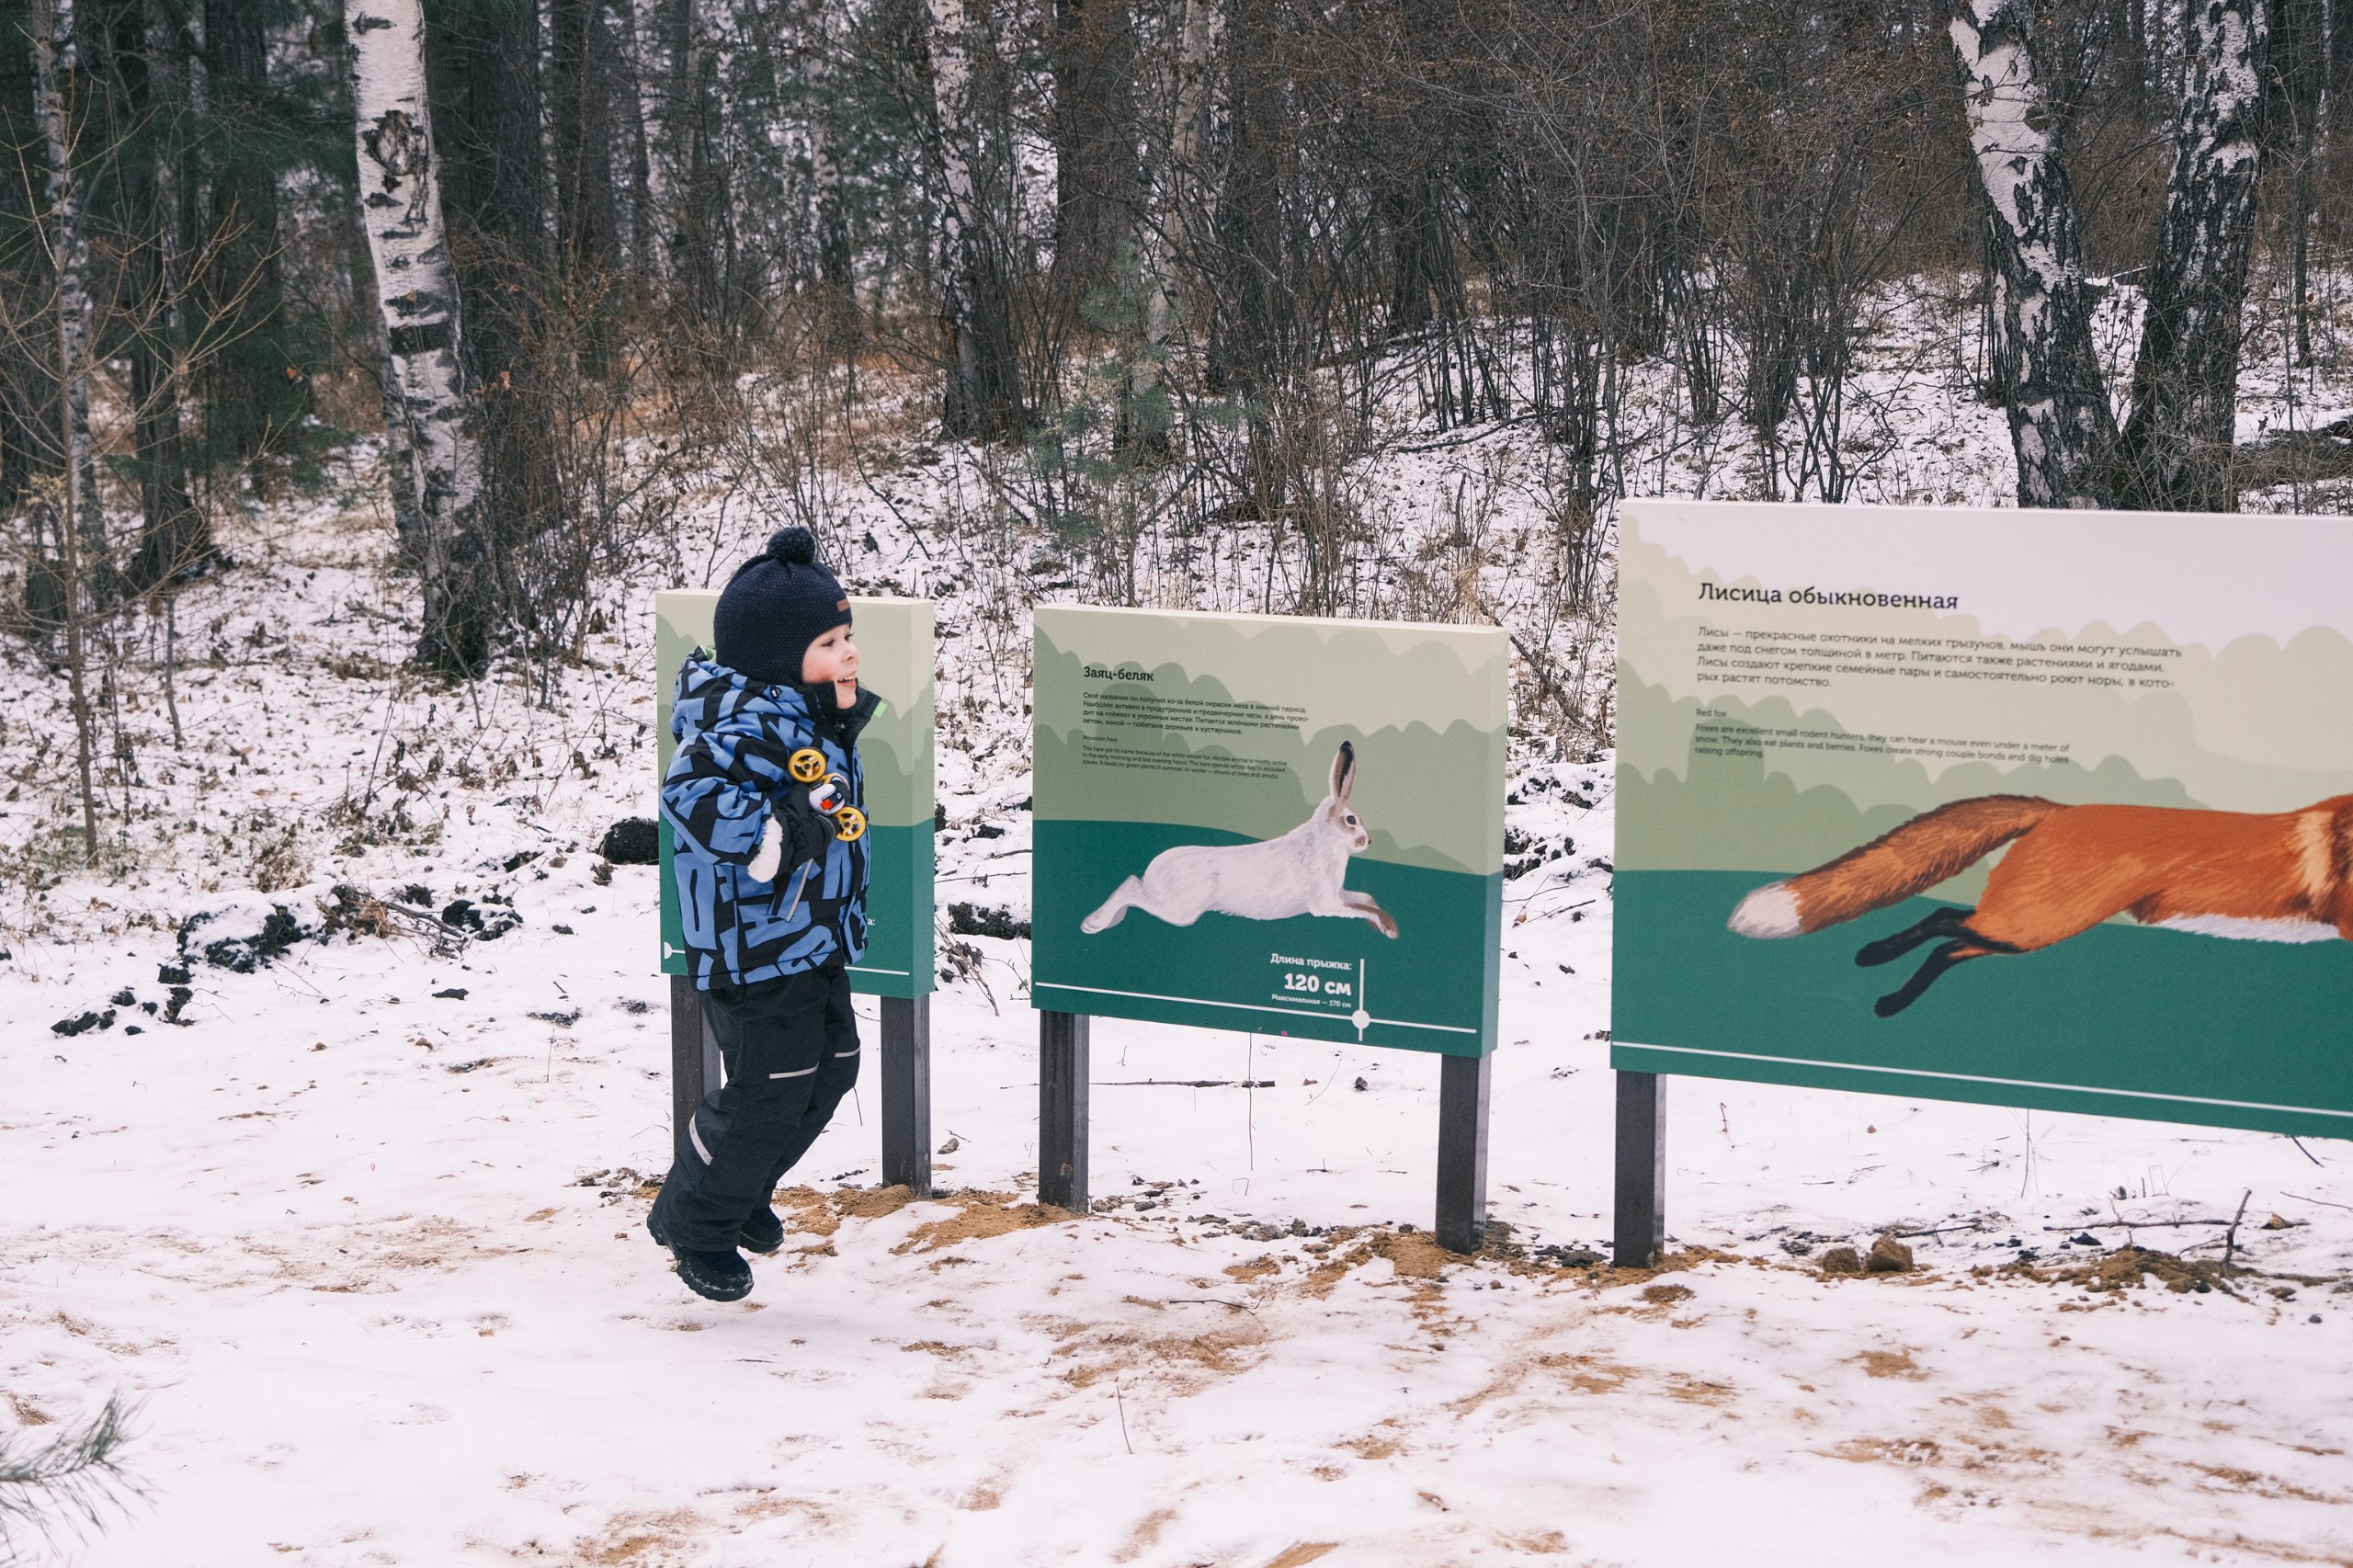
(979, 1216)
(632, 1536)
(1891, 1364)
(1303, 1553)
(819, 1213)
(1182, 1359)
(2127, 1266)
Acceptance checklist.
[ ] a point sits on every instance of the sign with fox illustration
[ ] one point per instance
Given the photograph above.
(895, 643)
(1267, 823)
(2090, 767)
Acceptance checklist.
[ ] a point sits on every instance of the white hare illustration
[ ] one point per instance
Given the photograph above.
(1300, 873)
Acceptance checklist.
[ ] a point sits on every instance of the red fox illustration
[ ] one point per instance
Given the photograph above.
(2286, 877)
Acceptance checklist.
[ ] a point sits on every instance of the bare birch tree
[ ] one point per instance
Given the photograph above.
(416, 290)
(1172, 192)
(983, 395)
(82, 538)
(2044, 365)
(2178, 443)
(69, 242)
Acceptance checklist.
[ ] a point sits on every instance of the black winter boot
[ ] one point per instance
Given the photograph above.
(763, 1233)
(718, 1276)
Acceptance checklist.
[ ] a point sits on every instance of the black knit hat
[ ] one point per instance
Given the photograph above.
(777, 604)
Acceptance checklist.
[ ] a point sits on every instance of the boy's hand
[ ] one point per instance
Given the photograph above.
(807, 834)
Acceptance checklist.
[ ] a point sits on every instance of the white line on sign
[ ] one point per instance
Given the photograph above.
(1242, 1007)
(1977, 1078)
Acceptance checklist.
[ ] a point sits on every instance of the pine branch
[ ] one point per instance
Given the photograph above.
(75, 1475)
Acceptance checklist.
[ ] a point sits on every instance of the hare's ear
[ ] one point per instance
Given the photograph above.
(1343, 771)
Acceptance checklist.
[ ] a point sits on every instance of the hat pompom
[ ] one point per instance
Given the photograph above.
(792, 546)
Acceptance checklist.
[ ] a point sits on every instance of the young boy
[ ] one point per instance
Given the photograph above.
(771, 899)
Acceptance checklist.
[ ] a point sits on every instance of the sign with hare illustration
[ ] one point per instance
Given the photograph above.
(1281, 825)
(894, 643)
(2044, 809)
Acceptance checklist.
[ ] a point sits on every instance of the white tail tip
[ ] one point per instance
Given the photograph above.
(1770, 910)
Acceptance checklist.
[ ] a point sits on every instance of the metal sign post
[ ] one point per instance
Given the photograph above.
(1641, 1229)
(1064, 1078)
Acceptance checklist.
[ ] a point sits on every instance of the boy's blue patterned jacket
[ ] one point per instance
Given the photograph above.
(726, 779)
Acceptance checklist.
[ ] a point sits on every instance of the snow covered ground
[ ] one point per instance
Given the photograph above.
(364, 1242)
(371, 1262)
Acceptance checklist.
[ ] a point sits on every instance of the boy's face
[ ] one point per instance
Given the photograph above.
(833, 657)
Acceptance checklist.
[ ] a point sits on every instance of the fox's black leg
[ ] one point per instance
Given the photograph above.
(1946, 922)
(1943, 959)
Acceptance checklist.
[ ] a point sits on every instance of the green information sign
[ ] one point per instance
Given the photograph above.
(1272, 824)
(894, 644)
(2046, 808)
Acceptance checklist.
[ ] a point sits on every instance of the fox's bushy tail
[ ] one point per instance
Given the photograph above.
(1892, 867)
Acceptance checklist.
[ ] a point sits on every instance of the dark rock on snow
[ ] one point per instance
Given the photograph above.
(631, 842)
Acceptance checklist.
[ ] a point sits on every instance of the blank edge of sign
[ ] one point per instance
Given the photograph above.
(1981, 1078)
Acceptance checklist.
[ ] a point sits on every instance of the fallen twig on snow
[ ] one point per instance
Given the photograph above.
(2139, 1225)
(1185, 1082)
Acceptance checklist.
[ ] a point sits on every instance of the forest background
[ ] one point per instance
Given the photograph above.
(1162, 284)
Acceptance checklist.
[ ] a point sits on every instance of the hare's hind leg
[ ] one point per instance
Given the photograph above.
(1114, 908)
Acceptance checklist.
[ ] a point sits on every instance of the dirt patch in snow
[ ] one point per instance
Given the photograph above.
(979, 1216)
(637, 1539)
(1303, 1553)
(1586, 1374)
(1415, 1254)
(1185, 1362)
(815, 1213)
(2126, 1267)
(1891, 1364)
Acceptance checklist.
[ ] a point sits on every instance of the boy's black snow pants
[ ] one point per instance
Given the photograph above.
(790, 1050)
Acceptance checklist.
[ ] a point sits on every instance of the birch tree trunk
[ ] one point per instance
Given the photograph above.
(53, 58)
(2045, 367)
(981, 397)
(2179, 441)
(81, 534)
(826, 75)
(1170, 199)
(642, 26)
(416, 290)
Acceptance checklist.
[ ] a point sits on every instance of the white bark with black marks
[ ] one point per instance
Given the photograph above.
(2045, 367)
(417, 287)
(951, 81)
(82, 539)
(2179, 441)
(52, 26)
(1172, 197)
(824, 166)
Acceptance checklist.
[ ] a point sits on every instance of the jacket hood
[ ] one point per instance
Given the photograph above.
(710, 696)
